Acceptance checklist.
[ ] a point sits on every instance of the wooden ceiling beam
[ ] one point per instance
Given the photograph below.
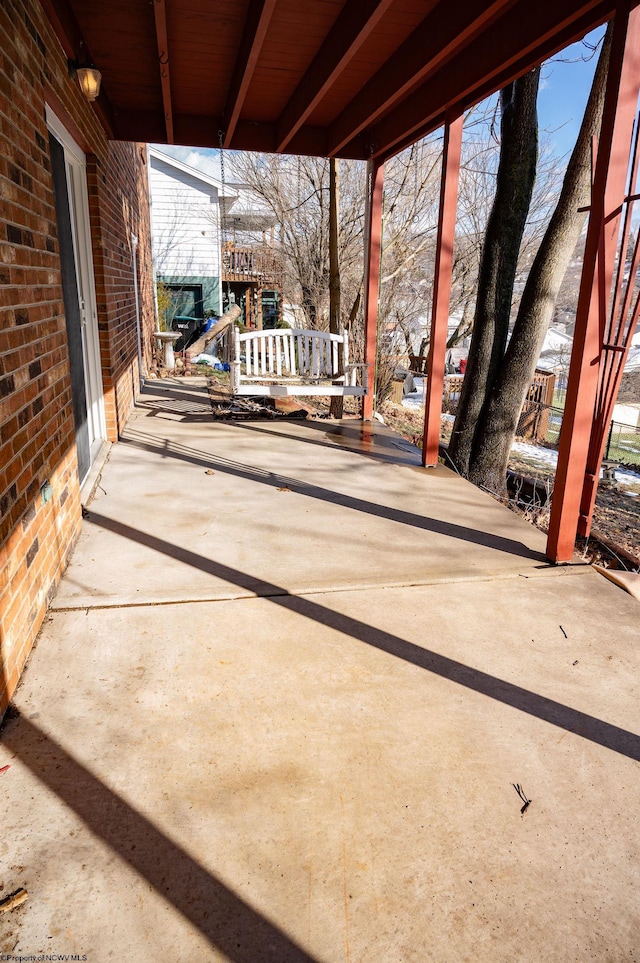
(162, 41)
(442, 33)
(60, 15)
(356, 21)
(202, 131)
(484, 67)
(487, 87)
(253, 37)
(63, 20)
(147, 126)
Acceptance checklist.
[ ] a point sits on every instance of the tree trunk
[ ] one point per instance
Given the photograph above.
(336, 408)
(500, 417)
(309, 306)
(514, 187)
(464, 328)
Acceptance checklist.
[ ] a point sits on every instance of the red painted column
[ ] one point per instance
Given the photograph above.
(441, 290)
(373, 251)
(608, 192)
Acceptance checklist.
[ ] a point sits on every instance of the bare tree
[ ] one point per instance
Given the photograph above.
(489, 412)
(296, 190)
(514, 189)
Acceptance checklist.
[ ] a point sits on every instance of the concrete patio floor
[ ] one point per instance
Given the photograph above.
(280, 704)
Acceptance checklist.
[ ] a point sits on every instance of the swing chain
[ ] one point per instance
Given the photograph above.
(223, 208)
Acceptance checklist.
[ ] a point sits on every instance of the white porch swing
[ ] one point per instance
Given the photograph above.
(277, 362)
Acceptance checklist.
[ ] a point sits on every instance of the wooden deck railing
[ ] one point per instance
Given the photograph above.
(252, 264)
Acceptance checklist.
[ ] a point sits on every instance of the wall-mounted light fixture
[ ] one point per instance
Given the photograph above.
(88, 77)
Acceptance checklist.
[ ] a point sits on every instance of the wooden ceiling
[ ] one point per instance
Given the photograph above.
(350, 78)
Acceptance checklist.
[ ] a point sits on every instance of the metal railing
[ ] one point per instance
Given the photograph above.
(541, 423)
(623, 444)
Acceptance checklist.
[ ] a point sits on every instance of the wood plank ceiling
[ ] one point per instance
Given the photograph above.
(350, 78)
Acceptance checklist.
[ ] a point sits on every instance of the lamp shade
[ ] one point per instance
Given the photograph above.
(89, 79)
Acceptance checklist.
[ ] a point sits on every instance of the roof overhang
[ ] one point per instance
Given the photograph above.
(345, 78)
(224, 190)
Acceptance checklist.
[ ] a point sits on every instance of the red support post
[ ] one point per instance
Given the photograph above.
(608, 193)
(441, 290)
(373, 251)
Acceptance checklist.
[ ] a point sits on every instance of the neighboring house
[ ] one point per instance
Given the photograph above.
(74, 324)
(627, 410)
(213, 244)
(252, 268)
(185, 217)
(627, 415)
(633, 361)
(556, 355)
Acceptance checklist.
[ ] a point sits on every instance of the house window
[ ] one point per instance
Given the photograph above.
(187, 300)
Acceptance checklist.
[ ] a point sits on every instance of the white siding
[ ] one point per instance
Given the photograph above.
(185, 223)
(627, 415)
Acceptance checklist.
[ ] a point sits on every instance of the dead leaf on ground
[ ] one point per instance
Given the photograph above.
(284, 489)
(209, 471)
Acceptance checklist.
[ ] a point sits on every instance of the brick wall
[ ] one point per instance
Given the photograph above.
(119, 207)
(39, 491)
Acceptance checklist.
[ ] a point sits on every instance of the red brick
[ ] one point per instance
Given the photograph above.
(36, 418)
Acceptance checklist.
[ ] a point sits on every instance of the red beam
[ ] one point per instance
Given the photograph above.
(443, 32)
(357, 20)
(143, 125)
(485, 87)
(521, 38)
(373, 254)
(160, 13)
(201, 130)
(253, 37)
(608, 193)
(441, 290)
(63, 115)
(618, 332)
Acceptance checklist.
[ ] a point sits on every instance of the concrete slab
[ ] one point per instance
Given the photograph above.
(629, 581)
(331, 778)
(318, 764)
(192, 509)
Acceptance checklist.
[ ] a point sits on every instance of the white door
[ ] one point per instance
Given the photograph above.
(78, 209)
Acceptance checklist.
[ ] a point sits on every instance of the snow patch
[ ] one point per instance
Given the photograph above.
(548, 457)
(416, 398)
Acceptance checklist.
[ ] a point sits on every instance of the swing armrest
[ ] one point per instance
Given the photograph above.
(350, 371)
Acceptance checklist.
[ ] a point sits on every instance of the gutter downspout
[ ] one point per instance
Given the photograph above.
(134, 246)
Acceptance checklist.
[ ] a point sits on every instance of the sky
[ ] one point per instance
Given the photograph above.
(564, 88)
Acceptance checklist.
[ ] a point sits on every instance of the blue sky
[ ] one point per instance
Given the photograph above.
(564, 88)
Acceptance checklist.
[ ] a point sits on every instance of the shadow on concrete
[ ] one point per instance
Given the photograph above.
(227, 922)
(548, 710)
(170, 449)
(188, 405)
(192, 403)
(365, 439)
